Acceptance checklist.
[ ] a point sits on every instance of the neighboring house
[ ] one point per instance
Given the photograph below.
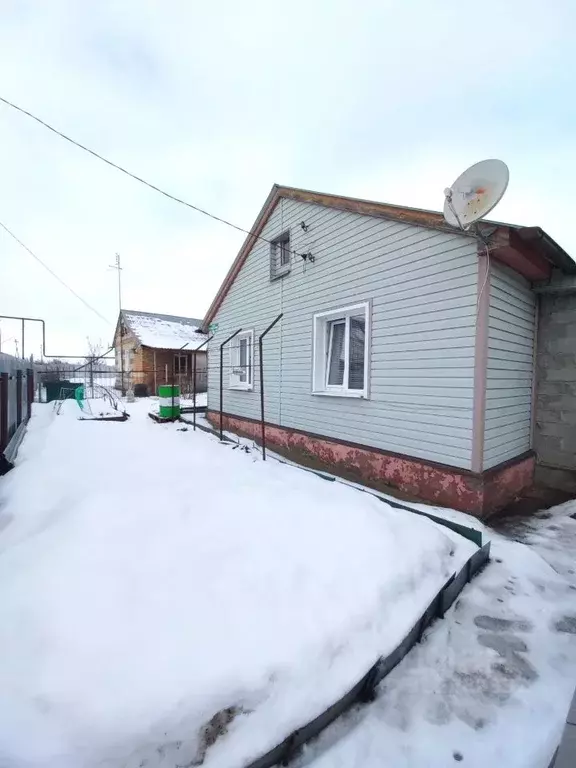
(405, 354)
(154, 349)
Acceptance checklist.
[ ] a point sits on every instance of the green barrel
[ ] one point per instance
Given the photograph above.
(169, 395)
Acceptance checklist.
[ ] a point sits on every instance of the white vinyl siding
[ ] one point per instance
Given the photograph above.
(509, 373)
(421, 285)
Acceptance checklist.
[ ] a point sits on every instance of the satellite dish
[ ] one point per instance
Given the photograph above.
(475, 192)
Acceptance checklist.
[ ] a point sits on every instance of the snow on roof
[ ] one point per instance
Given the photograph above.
(164, 331)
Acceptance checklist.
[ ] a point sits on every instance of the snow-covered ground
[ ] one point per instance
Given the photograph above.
(185, 402)
(490, 685)
(161, 591)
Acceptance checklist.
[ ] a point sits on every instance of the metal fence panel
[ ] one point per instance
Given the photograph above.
(15, 387)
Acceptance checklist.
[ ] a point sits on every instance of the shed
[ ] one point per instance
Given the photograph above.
(153, 349)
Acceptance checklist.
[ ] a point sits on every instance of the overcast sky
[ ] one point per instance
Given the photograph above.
(215, 102)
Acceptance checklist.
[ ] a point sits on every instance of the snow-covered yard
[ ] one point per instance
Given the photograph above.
(161, 591)
(490, 685)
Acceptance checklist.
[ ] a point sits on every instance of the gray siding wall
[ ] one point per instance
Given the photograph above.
(555, 433)
(422, 286)
(509, 376)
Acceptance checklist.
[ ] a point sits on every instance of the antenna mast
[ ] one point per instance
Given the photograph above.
(118, 268)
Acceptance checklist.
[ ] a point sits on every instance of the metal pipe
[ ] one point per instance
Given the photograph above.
(173, 380)
(32, 320)
(194, 390)
(44, 354)
(261, 353)
(194, 378)
(222, 375)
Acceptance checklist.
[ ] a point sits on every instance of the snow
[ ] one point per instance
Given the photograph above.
(165, 331)
(490, 685)
(151, 578)
(201, 401)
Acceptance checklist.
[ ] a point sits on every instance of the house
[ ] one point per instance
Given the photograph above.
(153, 349)
(405, 351)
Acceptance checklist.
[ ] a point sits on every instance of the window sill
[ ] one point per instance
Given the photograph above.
(241, 387)
(281, 272)
(343, 393)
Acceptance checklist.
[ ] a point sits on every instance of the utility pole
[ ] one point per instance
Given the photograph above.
(118, 268)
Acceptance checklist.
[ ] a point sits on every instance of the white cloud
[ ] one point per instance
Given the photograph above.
(215, 102)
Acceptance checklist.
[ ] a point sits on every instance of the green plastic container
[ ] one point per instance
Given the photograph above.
(169, 395)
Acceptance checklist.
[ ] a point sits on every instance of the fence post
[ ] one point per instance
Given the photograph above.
(261, 352)
(222, 375)
(18, 398)
(91, 377)
(194, 378)
(29, 392)
(4, 378)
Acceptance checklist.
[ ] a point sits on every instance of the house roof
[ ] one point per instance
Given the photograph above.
(164, 331)
(534, 241)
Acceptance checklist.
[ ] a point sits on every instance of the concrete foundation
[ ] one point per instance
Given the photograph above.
(480, 494)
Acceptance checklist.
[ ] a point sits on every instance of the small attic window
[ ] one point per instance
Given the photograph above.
(280, 262)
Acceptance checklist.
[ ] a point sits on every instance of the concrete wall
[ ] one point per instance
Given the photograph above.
(555, 427)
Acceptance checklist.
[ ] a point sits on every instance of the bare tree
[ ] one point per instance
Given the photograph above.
(95, 350)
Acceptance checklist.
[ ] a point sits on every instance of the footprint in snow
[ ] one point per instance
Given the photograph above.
(503, 644)
(502, 625)
(566, 624)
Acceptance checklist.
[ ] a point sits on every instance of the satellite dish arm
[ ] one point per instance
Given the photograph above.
(448, 196)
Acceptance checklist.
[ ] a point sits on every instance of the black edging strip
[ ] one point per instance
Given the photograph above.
(364, 690)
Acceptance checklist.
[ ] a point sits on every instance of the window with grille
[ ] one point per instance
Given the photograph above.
(280, 256)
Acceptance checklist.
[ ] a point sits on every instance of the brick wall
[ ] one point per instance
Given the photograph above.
(555, 423)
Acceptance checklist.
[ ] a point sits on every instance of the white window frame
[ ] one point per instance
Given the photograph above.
(234, 361)
(321, 347)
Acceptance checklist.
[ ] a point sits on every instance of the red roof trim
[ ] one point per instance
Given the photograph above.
(503, 234)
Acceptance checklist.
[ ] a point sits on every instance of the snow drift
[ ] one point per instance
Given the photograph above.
(168, 600)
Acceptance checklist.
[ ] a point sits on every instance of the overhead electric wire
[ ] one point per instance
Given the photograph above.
(48, 269)
(139, 178)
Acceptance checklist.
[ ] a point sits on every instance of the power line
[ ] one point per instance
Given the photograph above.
(139, 178)
(47, 268)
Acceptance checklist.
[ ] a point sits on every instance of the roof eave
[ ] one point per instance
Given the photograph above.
(261, 220)
(535, 237)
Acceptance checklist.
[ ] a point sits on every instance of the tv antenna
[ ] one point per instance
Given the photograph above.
(475, 193)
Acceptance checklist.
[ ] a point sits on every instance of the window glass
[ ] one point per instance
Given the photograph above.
(356, 352)
(336, 360)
